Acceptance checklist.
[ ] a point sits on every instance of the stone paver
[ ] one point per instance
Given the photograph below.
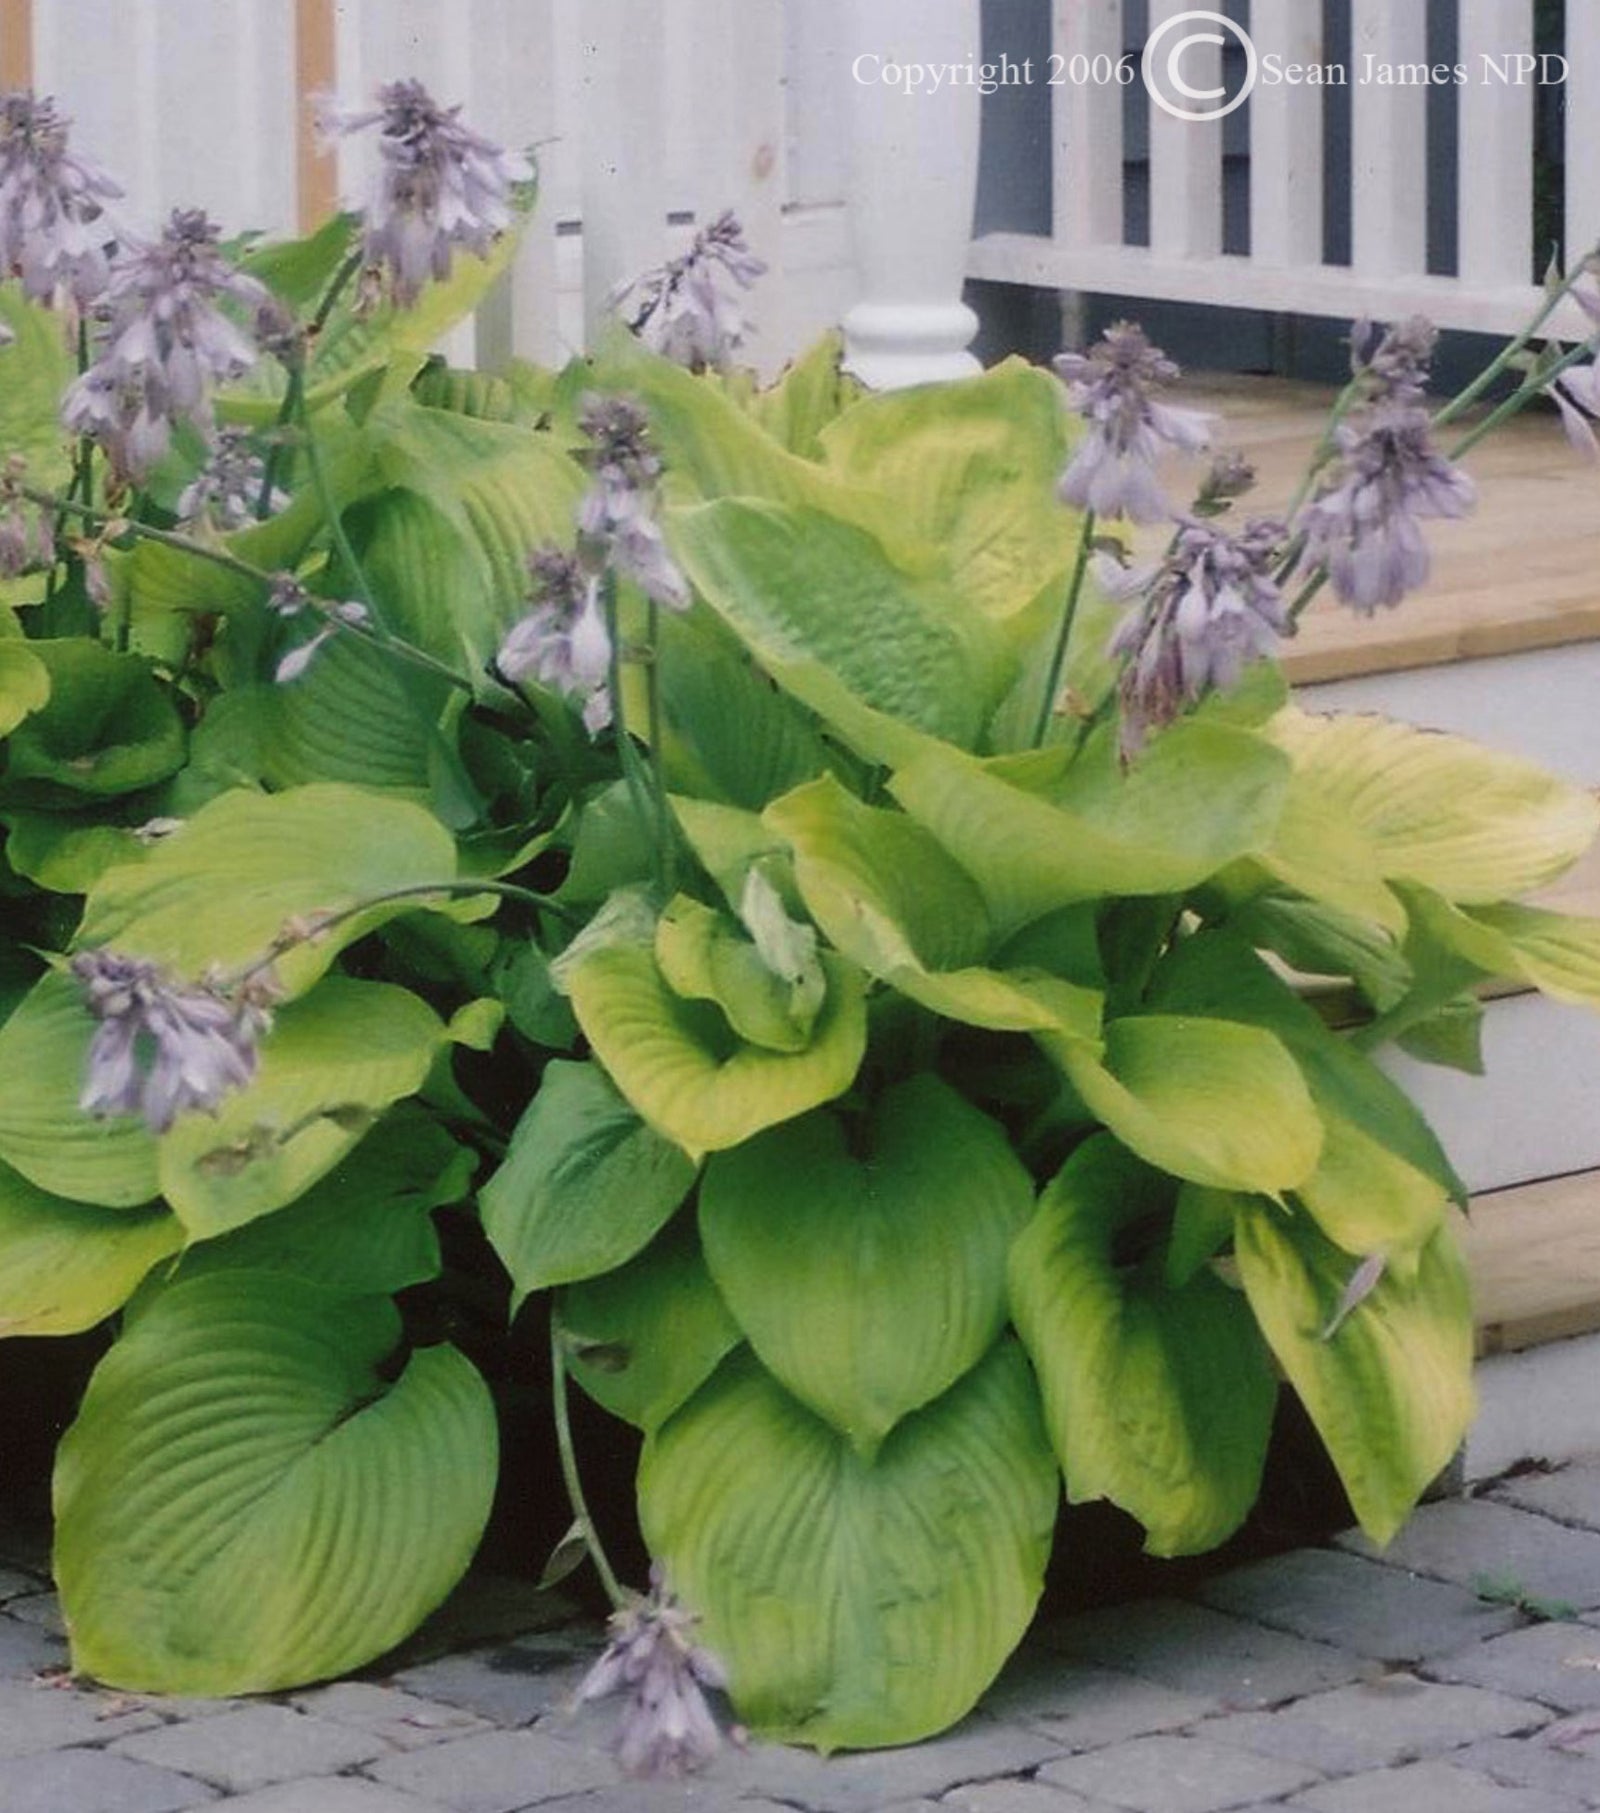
(1017, 1797)
(254, 1747)
(1573, 1770)
(1083, 1708)
(1556, 1663)
(1571, 1495)
(329, 1794)
(1177, 1775)
(1378, 1724)
(1196, 1650)
(89, 1781)
(1429, 1788)
(1336, 1597)
(497, 1771)
(1478, 1541)
(512, 1685)
(37, 1717)
(404, 1721)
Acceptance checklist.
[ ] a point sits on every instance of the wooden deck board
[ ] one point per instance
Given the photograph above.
(1521, 573)
(1534, 1256)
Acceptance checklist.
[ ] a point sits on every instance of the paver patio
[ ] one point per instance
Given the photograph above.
(1328, 1681)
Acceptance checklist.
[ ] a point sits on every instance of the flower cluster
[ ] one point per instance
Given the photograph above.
(55, 232)
(167, 343)
(1115, 387)
(563, 642)
(164, 1048)
(289, 599)
(439, 186)
(667, 1727)
(1393, 364)
(689, 310)
(27, 535)
(224, 493)
(1196, 621)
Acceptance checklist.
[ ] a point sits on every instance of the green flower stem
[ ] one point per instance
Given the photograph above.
(658, 772)
(1309, 591)
(569, 1469)
(292, 407)
(1069, 612)
(1342, 405)
(649, 806)
(1519, 400)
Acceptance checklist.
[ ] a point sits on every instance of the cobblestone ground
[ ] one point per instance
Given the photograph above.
(1459, 1672)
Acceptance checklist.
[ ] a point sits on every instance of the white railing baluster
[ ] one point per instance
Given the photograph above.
(1583, 128)
(1186, 158)
(1286, 156)
(1496, 160)
(1389, 141)
(1087, 185)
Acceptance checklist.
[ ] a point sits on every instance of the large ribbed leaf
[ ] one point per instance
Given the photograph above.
(1159, 1399)
(868, 1268)
(1390, 1388)
(64, 1266)
(36, 366)
(585, 1184)
(331, 1065)
(684, 1070)
(24, 683)
(1472, 823)
(642, 1340)
(245, 1503)
(855, 1604)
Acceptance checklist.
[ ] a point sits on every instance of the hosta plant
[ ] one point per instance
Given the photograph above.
(783, 870)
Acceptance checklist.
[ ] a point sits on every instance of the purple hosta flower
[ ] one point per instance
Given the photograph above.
(55, 233)
(1394, 363)
(1231, 477)
(1114, 388)
(689, 310)
(27, 534)
(617, 523)
(348, 613)
(438, 186)
(1363, 526)
(1576, 394)
(167, 344)
(667, 1727)
(225, 491)
(1196, 621)
(164, 1048)
(563, 642)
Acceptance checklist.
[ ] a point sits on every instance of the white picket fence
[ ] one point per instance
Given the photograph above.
(648, 114)
(1389, 202)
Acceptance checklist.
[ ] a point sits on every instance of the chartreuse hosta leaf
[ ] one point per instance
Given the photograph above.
(36, 366)
(705, 956)
(868, 1268)
(584, 1185)
(684, 1068)
(887, 894)
(1320, 851)
(1473, 824)
(1039, 832)
(1158, 1398)
(971, 469)
(1556, 953)
(245, 1503)
(333, 1062)
(1382, 1180)
(643, 1339)
(1390, 1389)
(805, 590)
(24, 683)
(64, 1266)
(855, 1603)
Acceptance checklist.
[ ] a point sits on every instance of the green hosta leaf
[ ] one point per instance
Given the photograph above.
(1220, 1104)
(686, 1073)
(43, 1132)
(61, 853)
(1391, 1390)
(1158, 1398)
(643, 1340)
(1321, 851)
(830, 1254)
(803, 590)
(330, 1066)
(107, 727)
(64, 1266)
(810, 394)
(705, 957)
(970, 468)
(35, 369)
(1321, 940)
(1557, 953)
(1038, 832)
(1467, 821)
(220, 890)
(24, 684)
(585, 1185)
(1382, 1181)
(245, 1504)
(367, 1225)
(855, 1604)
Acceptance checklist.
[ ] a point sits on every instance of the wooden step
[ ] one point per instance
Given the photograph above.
(1534, 1255)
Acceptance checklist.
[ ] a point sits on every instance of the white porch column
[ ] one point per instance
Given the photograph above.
(913, 183)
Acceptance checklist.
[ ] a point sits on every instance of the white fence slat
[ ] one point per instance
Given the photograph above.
(1186, 160)
(1583, 128)
(817, 104)
(1389, 142)
(1286, 155)
(98, 57)
(1496, 158)
(1088, 177)
(624, 202)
